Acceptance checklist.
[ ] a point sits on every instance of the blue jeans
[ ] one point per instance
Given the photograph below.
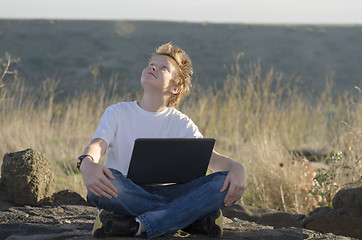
(165, 209)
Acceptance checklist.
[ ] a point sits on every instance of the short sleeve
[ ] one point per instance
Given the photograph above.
(192, 131)
(108, 125)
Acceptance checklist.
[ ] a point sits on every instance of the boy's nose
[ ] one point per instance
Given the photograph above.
(153, 68)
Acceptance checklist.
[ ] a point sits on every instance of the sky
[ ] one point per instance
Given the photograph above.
(214, 11)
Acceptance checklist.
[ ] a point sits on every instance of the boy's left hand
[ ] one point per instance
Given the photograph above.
(236, 181)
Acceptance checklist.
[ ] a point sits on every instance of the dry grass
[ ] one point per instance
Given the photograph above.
(256, 119)
(260, 121)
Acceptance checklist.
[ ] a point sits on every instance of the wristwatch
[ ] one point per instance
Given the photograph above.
(80, 160)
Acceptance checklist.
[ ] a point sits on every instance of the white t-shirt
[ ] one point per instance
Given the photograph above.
(124, 122)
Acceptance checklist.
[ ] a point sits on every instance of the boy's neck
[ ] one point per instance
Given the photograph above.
(153, 104)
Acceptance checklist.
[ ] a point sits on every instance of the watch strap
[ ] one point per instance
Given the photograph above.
(80, 159)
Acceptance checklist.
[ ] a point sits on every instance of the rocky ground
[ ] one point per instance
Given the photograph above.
(75, 222)
(66, 221)
(30, 210)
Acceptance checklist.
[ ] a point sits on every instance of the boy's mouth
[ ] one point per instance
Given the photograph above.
(152, 74)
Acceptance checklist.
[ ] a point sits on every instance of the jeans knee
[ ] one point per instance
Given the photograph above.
(219, 177)
(222, 174)
(121, 183)
(216, 180)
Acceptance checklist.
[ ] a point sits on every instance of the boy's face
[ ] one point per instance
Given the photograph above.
(158, 74)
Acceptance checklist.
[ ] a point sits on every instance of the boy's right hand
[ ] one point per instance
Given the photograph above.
(94, 177)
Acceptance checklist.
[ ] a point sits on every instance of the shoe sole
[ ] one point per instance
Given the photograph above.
(97, 230)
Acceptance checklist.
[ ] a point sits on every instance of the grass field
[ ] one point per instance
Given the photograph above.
(255, 116)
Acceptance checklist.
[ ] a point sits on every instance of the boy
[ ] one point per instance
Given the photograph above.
(127, 209)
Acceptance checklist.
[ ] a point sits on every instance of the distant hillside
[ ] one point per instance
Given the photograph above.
(69, 49)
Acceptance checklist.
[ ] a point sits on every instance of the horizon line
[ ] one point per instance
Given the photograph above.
(180, 21)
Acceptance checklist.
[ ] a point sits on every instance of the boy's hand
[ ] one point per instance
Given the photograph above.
(236, 181)
(94, 177)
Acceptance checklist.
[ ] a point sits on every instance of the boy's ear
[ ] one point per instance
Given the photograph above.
(175, 89)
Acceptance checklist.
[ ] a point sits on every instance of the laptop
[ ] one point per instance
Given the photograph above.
(169, 160)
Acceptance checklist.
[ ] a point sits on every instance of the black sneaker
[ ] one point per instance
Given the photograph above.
(109, 224)
(212, 225)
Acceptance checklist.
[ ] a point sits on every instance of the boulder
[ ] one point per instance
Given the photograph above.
(282, 220)
(348, 198)
(27, 178)
(345, 219)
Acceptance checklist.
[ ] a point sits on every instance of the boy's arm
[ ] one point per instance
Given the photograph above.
(94, 174)
(236, 178)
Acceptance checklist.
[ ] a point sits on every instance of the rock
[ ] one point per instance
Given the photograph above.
(47, 222)
(282, 220)
(245, 212)
(68, 197)
(264, 216)
(348, 198)
(338, 221)
(341, 221)
(345, 219)
(27, 178)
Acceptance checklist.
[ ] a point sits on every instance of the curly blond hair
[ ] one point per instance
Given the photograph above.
(182, 77)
